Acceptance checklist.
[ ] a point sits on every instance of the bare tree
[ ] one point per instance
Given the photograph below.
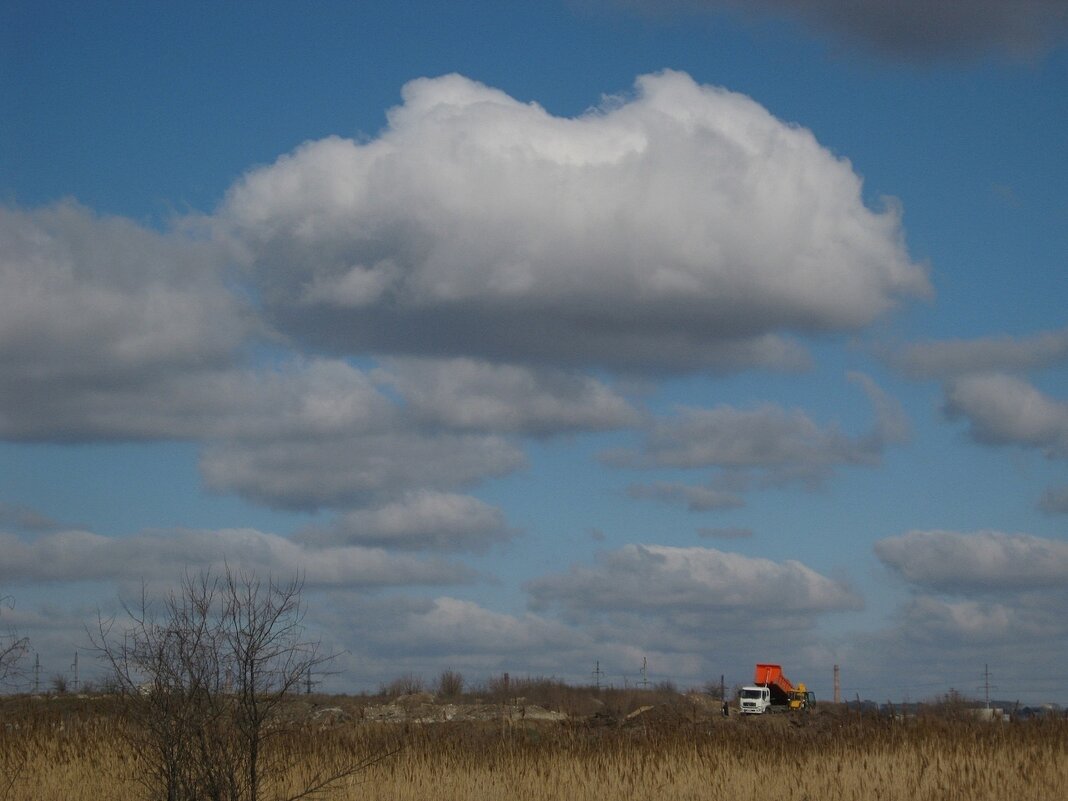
(12, 649)
(204, 676)
(14, 751)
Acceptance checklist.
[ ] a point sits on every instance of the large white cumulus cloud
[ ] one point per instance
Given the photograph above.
(683, 227)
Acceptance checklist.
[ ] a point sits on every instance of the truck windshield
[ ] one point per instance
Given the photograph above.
(751, 693)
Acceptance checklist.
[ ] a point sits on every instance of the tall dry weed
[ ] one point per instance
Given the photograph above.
(76, 752)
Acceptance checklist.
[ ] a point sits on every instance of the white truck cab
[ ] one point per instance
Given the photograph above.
(754, 700)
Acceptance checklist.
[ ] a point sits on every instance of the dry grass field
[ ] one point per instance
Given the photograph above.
(72, 749)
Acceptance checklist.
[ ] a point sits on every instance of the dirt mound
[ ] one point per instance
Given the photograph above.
(411, 709)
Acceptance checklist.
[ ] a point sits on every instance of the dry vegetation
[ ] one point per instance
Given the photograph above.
(72, 749)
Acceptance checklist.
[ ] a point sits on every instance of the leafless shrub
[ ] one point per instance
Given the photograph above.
(407, 684)
(450, 684)
(715, 690)
(500, 688)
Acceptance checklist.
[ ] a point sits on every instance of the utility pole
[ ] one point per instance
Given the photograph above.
(722, 688)
(837, 686)
(36, 673)
(74, 667)
(645, 674)
(597, 673)
(987, 686)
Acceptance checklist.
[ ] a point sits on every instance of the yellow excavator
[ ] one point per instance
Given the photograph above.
(801, 697)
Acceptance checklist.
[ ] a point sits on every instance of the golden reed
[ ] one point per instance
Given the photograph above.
(74, 750)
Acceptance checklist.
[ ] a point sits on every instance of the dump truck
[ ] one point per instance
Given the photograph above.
(771, 691)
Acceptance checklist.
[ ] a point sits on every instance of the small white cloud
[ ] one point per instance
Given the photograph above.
(481, 396)
(767, 445)
(420, 520)
(298, 398)
(971, 621)
(362, 468)
(71, 556)
(660, 580)
(914, 29)
(730, 533)
(948, 359)
(360, 286)
(466, 627)
(696, 498)
(1054, 500)
(982, 561)
(1003, 410)
(24, 518)
(392, 635)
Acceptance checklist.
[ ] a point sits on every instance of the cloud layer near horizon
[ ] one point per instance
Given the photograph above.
(978, 596)
(635, 602)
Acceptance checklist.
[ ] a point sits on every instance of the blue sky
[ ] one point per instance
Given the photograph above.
(537, 335)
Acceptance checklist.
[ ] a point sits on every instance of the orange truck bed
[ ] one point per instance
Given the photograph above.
(771, 676)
